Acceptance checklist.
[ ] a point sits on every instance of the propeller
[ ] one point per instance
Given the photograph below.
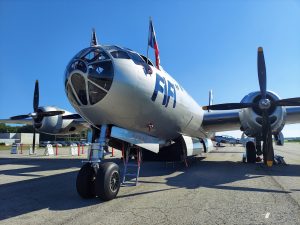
(264, 104)
(36, 114)
(72, 116)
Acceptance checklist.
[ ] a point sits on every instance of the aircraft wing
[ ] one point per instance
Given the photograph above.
(292, 115)
(64, 126)
(215, 121)
(30, 121)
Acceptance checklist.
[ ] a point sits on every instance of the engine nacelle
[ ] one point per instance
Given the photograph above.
(196, 146)
(55, 124)
(251, 118)
(183, 146)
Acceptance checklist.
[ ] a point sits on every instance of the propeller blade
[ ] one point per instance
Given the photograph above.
(228, 106)
(33, 141)
(261, 70)
(268, 150)
(51, 113)
(19, 117)
(72, 116)
(36, 96)
(288, 102)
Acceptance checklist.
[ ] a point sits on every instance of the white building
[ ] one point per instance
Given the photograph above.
(22, 138)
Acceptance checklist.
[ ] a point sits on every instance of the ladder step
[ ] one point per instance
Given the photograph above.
(132, 164)
(130, 174)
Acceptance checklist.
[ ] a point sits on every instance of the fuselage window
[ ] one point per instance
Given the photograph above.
(120, 55)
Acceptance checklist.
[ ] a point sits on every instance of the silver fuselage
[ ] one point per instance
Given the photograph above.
(129, 102)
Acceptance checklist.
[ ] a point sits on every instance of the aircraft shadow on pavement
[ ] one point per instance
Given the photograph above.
(55, 192)
(220, 175)
(58, 192)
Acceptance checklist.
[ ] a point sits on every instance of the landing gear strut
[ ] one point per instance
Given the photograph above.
(96, 178)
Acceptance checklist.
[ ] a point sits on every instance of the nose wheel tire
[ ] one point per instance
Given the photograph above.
(107, 183)
(85, 182)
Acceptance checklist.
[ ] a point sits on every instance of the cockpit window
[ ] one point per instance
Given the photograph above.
(71, 95)
(120, 55)
(89, 76)
(147, 60)
(95, 93)
(78, 65)
(101, 73)
(95, 55)
(79, 86)
(136, 58)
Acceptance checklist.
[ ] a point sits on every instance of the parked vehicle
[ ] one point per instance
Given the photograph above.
(44, 143)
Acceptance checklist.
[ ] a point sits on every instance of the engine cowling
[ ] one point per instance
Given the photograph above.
(251, 118)
(55, 124)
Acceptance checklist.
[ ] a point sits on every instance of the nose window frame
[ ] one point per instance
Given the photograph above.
(95, 68)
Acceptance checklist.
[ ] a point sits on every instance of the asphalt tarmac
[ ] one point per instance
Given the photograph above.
(218, 189)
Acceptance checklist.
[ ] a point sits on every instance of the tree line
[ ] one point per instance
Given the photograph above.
(15, 129)
(43, 137)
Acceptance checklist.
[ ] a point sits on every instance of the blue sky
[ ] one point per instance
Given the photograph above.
(203, 44)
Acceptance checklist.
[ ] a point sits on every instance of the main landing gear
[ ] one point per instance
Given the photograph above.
(250, 152)
(95, 178)
(254, 153)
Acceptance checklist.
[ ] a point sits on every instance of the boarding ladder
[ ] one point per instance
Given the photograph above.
(132, 166)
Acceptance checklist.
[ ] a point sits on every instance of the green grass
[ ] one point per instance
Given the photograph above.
(293, 141)
(3, 147)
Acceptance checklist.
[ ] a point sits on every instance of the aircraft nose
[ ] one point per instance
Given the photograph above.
(89, 76)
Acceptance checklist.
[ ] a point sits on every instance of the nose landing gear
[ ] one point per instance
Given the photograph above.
(95, 178)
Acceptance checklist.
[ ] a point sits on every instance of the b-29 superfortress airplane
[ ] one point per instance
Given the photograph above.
(129, 101)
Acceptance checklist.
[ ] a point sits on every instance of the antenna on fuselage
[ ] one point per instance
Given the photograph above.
(210, 98)
(94, 41)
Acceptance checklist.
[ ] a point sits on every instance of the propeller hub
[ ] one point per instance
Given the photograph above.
(264, 104)
(34, 115)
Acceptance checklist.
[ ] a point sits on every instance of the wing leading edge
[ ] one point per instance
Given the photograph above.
(215, 121)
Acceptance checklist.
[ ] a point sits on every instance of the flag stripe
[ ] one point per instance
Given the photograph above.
(153, 43)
